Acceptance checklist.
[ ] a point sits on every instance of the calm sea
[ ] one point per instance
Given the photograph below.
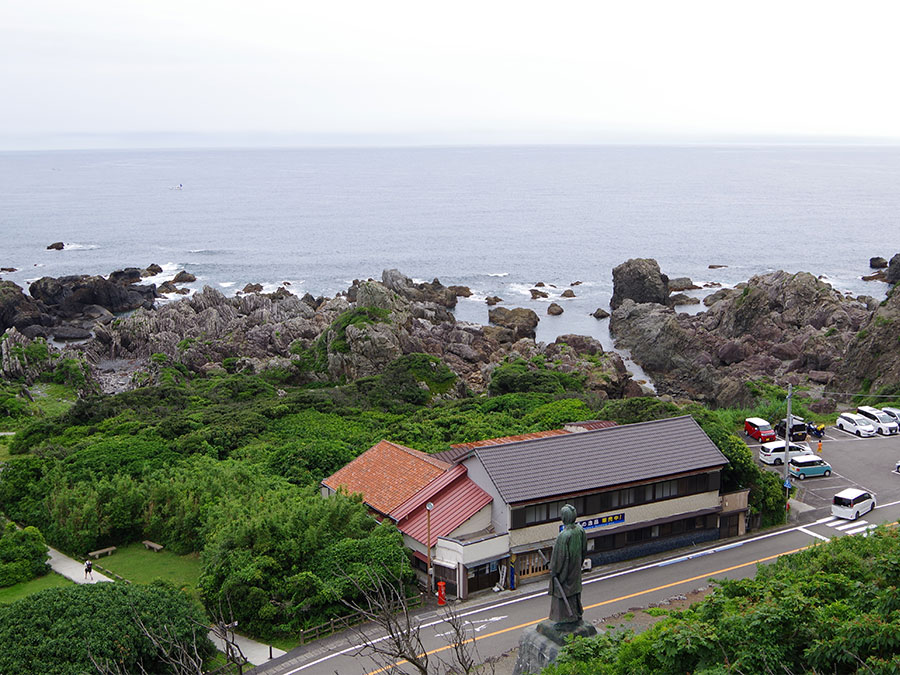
(496, 219)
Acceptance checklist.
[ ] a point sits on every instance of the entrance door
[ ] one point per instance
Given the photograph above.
(531, 564)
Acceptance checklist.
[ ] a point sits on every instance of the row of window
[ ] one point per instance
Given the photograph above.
(613, 499)
(611, 541)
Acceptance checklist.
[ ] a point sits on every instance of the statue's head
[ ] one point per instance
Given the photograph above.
(567, 513)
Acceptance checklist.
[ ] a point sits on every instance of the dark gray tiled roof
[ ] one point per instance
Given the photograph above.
(560, 465)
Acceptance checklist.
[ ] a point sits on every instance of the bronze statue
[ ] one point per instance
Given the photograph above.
(568, 555)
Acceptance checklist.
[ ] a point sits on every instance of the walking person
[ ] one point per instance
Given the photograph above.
(88, 570)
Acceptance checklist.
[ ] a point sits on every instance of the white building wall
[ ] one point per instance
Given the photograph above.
(480, 521)
(667, 508)
(499, 508)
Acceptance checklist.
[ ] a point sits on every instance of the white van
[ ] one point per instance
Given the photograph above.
(884, 424)
(773, 452)
(852, 503)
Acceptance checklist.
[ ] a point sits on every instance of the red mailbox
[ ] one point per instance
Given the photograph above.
(442, 598)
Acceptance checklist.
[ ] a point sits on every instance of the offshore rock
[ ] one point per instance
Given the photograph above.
(19, 310)
(554, 309)
(878, 263)
(640, 280)
(68, 296)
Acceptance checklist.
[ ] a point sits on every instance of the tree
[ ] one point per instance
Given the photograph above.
(68, 629)
(381, 600)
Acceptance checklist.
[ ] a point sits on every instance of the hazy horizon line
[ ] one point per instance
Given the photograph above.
(187, 140)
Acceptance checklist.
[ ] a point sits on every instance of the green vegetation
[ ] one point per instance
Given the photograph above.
(23, 555)
(25, 588)
(519, 375)
(831, 608)
(224, 469)
(58, 630)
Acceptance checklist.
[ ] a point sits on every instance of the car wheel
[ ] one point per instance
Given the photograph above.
(858, 432)
(871, 508)
(856, 515)
(801, 476)
(778, 462)
(826, 474)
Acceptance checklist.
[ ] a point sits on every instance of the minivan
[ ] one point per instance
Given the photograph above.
(803, 466)
(884, 424)
(773, 452)
(855, 424)
(798, 428)
(758, 428)
(852, 503)
(893, 412)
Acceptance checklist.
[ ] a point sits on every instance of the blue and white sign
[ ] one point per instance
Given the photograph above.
(600, 521)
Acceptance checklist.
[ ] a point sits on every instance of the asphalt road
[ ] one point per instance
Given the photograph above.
(497, 622)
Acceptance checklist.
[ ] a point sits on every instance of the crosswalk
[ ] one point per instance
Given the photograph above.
(847, 526)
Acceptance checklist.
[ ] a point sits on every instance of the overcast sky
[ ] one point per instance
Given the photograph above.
(420, 71)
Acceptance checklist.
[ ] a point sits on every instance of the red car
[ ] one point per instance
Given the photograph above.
(758, 428)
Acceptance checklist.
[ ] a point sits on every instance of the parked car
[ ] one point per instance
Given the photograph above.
(884, 424)
(803, 466)
(855, 424)
(773, 452)
(758, 428)
(798, 428)
(852, 503)
(894, 413)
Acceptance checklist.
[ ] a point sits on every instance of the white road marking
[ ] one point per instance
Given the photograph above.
(813, 534)
(864, 528)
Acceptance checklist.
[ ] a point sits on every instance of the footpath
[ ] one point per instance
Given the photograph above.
(255, 652)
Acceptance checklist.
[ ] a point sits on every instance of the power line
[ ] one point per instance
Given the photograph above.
(846, 393)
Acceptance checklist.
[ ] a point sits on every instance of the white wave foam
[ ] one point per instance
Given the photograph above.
(79, 247)
(498, 274)
(227, 284)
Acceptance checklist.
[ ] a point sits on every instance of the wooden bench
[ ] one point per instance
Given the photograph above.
(103, 551)
(150, 545)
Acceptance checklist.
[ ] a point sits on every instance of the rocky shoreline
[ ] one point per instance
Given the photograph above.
(785, 327)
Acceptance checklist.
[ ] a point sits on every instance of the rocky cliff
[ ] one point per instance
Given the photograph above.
(790, 327)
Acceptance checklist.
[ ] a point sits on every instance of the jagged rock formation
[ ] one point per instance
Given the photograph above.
(520, 321)
(640, 280)
(343, 340)
(778, 325)
(893, 272)
(872, 361)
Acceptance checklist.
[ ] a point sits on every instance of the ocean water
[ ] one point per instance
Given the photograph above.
(496, 219)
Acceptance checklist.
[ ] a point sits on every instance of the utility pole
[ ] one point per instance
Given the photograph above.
(428, 508)
(787, 446)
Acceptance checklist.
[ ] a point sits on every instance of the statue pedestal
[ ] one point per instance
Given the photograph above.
(539, 645)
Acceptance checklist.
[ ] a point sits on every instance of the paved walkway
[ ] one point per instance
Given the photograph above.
(255, 652)
(72, 569)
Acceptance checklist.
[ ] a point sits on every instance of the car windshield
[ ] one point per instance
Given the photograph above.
(882, 417)
(765, 427)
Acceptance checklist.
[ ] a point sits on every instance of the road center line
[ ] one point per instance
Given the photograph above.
(599, 604)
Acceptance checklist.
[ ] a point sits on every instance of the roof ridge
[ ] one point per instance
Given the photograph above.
(419, 454)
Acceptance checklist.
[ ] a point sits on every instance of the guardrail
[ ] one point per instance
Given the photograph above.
(340, 622)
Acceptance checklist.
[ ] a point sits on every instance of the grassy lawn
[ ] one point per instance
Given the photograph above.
(141, 566)
(4, 447)
(26, 588)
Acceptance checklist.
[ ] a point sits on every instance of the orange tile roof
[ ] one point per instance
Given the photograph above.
(387, 474)
(510, 439)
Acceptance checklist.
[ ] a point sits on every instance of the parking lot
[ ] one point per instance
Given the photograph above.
(865, 463)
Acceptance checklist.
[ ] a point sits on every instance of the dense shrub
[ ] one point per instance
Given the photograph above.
(23, 554)
(519, 375)
(58, 630)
